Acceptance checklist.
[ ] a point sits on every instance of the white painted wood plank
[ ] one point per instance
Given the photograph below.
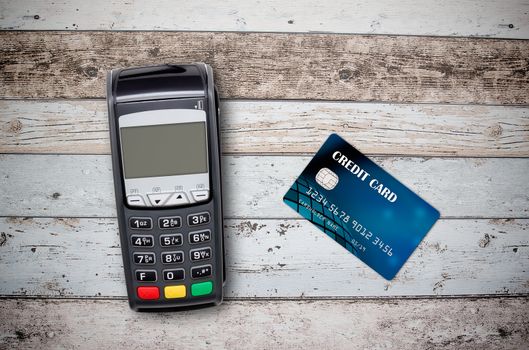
(285, 127)
(491, 323)
(490, 18)
(270, 258)
(81, 185)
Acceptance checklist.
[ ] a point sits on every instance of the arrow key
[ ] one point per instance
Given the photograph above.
(158, 199)
(178, 198)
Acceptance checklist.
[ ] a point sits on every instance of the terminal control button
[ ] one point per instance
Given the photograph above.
(172, 292)
(148, 293)
(201, 271)
(135, 200)
(177, 199)
(202, 288)
(158, 199)
(146, 275)
(200, 195)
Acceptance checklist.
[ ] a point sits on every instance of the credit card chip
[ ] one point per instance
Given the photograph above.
(326, 178)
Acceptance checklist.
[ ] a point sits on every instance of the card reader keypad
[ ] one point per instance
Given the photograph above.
(180, 241)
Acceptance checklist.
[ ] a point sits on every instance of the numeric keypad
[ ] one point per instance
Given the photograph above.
(172, 232)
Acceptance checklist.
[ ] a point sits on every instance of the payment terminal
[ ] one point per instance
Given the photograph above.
(164, 135)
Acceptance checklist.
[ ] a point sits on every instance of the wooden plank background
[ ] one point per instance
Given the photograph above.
(81, 257)
(271, 324)
(504, 19)
(81, 185)
(437, 93)
(285, 127)
(276, 65)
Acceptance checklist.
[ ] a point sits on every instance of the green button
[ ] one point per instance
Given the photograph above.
(202, 288)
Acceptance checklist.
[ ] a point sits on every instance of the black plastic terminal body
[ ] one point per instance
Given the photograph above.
(178, 86)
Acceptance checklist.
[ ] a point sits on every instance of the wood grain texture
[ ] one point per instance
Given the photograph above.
(276, 66)
(72, 257)
(281, 127)
(82, 185)
(499, 323)
(505, 19)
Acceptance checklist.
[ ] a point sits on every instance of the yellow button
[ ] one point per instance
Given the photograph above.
(172, 292)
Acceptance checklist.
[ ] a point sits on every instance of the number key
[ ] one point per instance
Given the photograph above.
(173, 275)
(142, 241)
(144, 258)
(199, 236)
(200, 254)
(173, 257)
(198, 219)
(171, 240)
(169, 222)
(140, 223)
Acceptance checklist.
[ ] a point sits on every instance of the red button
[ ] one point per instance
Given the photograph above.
(148, 293)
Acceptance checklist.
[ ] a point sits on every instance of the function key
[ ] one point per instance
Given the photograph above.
(144, 258)
(135, 200)
(171, 240)
(198, 219)
(200, 195)
(173, 275)
(178, 198)
(158, 199)
(140, 223)
(169, 222)
(201, 271)
(173, 257)
(172, 292)
(148, 293)
(146, 275)
(142, 241)
(200, 254)
(199, 236)
(202, 288)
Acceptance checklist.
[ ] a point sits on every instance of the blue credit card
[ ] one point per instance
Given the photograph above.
(361, 206)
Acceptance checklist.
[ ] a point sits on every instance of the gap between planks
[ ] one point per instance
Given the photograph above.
(300, 298)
